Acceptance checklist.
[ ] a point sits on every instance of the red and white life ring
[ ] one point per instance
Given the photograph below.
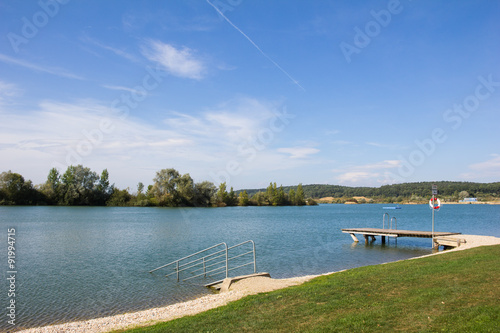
(432, 203)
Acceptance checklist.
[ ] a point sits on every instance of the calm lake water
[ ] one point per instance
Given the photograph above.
(84, 262)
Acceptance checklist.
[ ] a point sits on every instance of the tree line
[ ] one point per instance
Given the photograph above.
(80, 186)
(418, 191)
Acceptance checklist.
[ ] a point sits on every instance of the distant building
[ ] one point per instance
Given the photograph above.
(469, 200)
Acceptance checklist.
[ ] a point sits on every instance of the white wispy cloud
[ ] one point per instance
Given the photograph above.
(356, 177)
(49, 70)
(489, 169)
(299, 152)
(377, 173)
(332, 132)
(59, 134)
(8, 91)
(226, 67)
(342, 143)
(122, 88)
(118, 52)
(385, 145)
(228, 124)
(387, 164)
(178, 62)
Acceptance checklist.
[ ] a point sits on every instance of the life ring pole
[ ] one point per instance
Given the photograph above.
(435, 205)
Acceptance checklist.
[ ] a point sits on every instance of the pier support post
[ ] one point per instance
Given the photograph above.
(435, 245)
(354, 238)
(383, 239)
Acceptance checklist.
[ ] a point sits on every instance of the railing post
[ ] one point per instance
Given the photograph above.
(177, 268)
(204, 268)
(254, 261)
(227, 259)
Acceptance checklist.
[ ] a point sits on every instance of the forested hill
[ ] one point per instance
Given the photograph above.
(404, 190)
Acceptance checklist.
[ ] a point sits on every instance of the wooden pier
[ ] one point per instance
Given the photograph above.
(372, 232)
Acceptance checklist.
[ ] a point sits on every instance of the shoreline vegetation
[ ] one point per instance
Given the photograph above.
(80, 186)
(451, 290)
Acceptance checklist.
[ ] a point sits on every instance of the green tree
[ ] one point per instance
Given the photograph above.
(259, 198)
(204, 193)
(231, 199)
(462, 195)
(104, 189)
(291, 197)
(79, 186)
(222, 194)
(185, 190)
(52, 187)
(165, 182)
(165, 187)
(120, 198)
(141, 199)
(140, 188)
(243, 198)
(14, 190)
(271, 193)
(299, 196)
(280, 196)
(311, 202)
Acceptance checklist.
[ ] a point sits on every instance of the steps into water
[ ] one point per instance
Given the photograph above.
(223, 285)
(212, 261)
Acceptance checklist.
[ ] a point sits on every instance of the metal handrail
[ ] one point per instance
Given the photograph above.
(395, 221)
(383, 220)
(203, 259)
(189, 256)
(204, 273)
(253, 249)
(206, 262)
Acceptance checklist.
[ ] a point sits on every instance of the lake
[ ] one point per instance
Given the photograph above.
(84, 262)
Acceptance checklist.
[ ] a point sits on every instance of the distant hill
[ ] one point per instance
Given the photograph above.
(405, 190)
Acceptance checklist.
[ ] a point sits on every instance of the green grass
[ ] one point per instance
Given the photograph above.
(452, 292)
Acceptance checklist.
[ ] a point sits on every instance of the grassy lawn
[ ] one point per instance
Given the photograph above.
(452, 292)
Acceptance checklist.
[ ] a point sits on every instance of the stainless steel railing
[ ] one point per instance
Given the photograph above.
(389, 220)
(383, 220)
(214, 260)
(395, 221)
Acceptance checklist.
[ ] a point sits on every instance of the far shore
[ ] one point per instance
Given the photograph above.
(237, 290)
(367, 200)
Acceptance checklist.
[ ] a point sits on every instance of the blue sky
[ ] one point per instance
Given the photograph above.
(330, 92)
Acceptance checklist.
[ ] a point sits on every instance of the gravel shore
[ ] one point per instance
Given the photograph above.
(237, 290)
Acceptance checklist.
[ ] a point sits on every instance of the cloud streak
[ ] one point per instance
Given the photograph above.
(178, 62)
(121, 88)
(53, 71)
(116, 51)
(257, 47)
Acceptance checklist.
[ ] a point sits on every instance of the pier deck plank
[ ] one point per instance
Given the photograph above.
(396, 232)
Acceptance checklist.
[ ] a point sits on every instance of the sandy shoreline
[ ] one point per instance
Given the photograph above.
(238, 290)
